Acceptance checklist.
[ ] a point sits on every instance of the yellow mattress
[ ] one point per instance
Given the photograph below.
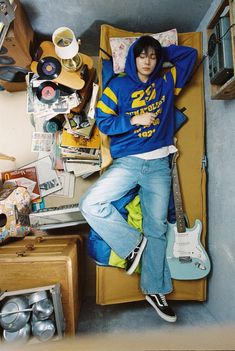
(192, 176)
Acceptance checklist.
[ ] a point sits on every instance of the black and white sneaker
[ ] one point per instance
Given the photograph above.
(158, 301)
(134, 257)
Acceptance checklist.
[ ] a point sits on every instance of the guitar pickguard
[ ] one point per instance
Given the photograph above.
(187, 258)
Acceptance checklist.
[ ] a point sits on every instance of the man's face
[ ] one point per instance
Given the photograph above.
(145, 64)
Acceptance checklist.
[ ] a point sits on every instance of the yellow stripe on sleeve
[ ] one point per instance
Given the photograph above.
(104, 108)
(177, 91)
(108, 92)
(173, 72)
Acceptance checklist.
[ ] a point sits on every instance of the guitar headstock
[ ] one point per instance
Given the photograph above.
(176, 154)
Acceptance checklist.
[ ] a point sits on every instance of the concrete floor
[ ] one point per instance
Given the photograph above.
(140, 316)
(136, 326)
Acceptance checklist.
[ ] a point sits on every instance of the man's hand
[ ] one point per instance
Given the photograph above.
(145, 119)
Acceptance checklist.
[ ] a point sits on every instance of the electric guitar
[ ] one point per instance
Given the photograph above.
(187, 258)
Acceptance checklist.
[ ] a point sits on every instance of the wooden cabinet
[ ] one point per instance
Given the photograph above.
(224, 91)
(20, 44)
(39, 261)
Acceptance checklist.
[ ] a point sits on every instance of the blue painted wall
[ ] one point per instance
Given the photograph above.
(84, 17)
(220, 143)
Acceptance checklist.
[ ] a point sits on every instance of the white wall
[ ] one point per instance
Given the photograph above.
(220, 142)
(15, 130)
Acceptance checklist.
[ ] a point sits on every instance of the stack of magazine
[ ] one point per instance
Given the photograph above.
(79, 124)
(41, 111)
(80, 146)
(74, 148)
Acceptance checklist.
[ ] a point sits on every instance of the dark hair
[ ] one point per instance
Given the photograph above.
(144, 43)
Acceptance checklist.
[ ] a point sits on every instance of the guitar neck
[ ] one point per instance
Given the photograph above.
(179, 211)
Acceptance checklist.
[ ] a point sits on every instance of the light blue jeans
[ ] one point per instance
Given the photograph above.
(154, 178)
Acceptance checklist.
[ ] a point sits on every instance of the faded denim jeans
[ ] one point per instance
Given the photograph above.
(154, 178)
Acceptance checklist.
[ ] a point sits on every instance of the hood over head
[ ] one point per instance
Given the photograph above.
(130, 66)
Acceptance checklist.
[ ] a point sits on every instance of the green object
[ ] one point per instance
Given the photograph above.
(134, 218)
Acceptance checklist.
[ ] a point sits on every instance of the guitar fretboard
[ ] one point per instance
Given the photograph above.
(179, 211)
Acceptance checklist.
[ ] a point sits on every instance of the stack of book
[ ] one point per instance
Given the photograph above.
(79, 153)
(27, 178)
(37, 177)
(73, 141)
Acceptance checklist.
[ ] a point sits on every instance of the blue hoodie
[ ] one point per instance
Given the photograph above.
(126, 96)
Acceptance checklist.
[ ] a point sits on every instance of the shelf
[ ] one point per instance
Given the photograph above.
(224, 91)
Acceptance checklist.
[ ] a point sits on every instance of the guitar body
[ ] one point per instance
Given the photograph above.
(187, 258)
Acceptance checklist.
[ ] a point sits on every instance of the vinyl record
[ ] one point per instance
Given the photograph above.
(48, 68)
(47, 92)
(7, 60)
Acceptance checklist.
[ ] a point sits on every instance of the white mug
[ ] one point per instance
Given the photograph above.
(66, 45)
